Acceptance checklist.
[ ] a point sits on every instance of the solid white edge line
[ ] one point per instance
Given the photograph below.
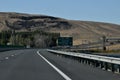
(54, 67)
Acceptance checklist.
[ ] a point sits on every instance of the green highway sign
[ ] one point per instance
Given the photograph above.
(65, 41)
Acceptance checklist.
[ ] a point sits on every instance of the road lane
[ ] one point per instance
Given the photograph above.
(54, 67)
(27, 66)
(8, 54)
(78, 71)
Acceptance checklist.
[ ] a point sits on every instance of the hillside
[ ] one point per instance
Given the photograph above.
(79, 30)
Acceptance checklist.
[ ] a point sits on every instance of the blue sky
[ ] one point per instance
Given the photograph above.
(89, 10)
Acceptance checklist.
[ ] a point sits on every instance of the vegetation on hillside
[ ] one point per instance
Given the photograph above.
(36, 38)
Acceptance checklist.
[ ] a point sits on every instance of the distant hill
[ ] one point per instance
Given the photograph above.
(81, 31)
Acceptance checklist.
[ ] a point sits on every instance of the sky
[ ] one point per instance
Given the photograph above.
(86, 10)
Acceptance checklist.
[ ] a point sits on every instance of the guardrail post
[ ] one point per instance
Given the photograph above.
(118, 68)
(101, 65)
(85, 61)
(96, 64)
(82, 60)
(112, 68)
(106, 65)
(93, 63)
(89, 62)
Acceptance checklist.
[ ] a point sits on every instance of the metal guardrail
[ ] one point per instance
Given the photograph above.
(112, 60)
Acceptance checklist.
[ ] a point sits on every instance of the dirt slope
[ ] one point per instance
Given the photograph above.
(81, 31)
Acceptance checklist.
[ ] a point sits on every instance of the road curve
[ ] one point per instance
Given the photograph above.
(28, 65)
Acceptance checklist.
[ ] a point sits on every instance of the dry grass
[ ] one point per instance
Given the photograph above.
(79, 30)
(114, 47)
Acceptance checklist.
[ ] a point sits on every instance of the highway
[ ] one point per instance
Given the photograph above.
(38, 64)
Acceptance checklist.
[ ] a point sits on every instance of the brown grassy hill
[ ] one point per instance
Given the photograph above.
(81, 31)
(90, 31)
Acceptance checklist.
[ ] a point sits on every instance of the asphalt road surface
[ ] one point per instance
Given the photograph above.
(30, 64)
